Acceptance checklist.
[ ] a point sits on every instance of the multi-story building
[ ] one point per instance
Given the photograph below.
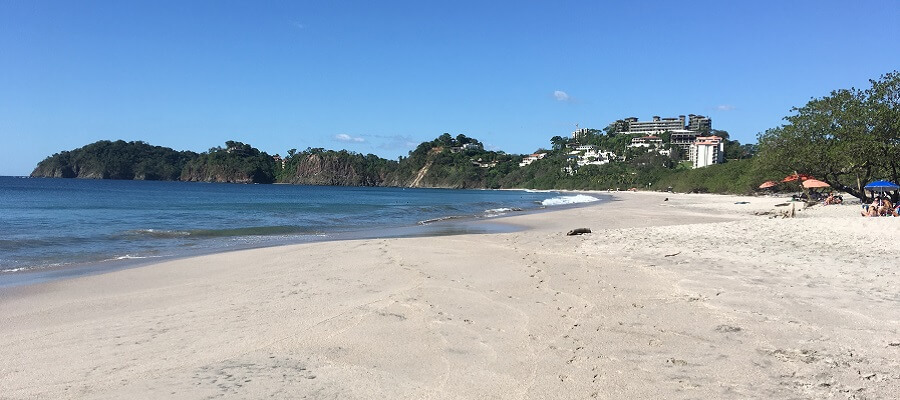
(682, 139)
(621, 126)
(656, 125)
(683, 130)
(579, 133)
(699, 123)
(707, 150)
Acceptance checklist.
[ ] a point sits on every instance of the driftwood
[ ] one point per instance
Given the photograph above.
(578, 231)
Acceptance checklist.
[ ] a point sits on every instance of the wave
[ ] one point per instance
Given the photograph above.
(497, 212)
(562, 200)
(33, 267)
(158, 233)
(216, 233)
(131, 257)
(428, 221)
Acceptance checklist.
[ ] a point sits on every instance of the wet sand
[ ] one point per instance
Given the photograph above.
(694, 297)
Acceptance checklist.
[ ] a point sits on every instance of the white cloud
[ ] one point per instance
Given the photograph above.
(724, 107)
(343, 137)
(561, 96)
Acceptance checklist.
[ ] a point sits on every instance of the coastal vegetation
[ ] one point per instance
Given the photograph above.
(235, 163)
(845, 139)
(116, 160)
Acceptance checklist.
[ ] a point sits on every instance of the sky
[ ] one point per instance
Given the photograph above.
(383, 76)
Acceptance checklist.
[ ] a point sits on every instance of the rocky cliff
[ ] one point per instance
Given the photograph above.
(336, 169)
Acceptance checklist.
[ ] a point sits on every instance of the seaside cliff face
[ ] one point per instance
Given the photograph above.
(59, 170)
(215, 173)
(335, 169)
(236, 163)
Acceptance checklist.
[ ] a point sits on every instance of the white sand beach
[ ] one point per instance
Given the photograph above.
(694, 297)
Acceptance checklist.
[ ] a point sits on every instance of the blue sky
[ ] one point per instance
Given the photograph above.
(381, 77)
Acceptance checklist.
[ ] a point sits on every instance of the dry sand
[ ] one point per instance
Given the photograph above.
(695, 297)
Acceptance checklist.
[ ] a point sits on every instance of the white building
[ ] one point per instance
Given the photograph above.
(707, 150)
(580, 133)
(595, 157)
(695, 123)
(532, 158)
(646, 141)
(654, 126)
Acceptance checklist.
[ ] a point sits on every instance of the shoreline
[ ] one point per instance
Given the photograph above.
(444, 226)
(690, 297)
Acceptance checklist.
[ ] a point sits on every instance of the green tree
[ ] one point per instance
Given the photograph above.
(559, 142)
(845, 139)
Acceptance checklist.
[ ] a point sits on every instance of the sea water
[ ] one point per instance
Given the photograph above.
(59, 225)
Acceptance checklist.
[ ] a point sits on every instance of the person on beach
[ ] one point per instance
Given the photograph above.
(874, 209)
(881, 207)
(886, 207)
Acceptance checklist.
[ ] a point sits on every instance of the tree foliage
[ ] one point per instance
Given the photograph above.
(846, 139)
(118, 159)
(237, 162)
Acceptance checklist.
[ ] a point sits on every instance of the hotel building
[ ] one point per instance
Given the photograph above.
(707, 150)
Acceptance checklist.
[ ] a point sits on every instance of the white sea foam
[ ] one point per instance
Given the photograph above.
(428, 221)
(131, 257)
(561, 200)
(159, 233)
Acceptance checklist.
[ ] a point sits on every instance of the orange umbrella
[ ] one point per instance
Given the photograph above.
(814, 183)
(767, 184)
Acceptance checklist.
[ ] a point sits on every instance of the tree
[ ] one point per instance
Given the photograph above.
(559, 142)
(846, 139)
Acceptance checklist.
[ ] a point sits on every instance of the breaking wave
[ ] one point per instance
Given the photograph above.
(561, 200)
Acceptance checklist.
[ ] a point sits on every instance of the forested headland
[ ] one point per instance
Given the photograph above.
(848, 138)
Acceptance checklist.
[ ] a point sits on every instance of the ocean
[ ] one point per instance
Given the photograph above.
(55, 228)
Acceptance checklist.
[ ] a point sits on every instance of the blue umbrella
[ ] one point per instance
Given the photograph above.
(882, 186)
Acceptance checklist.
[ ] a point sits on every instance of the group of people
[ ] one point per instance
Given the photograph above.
(881, 207)
(832, 199)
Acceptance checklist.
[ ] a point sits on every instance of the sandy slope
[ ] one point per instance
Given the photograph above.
(694, 297)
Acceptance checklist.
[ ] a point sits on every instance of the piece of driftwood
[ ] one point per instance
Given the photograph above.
(672, 255)
(578, 231)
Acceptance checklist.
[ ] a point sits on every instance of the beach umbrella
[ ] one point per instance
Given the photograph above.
(768, 184)
(882, 186)
(814, 183)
